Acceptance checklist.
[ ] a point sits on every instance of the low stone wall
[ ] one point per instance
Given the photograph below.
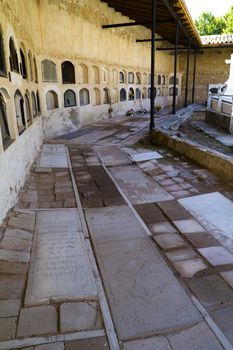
(219, 120)
(218, 163)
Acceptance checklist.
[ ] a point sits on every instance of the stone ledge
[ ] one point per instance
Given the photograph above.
(218, 163)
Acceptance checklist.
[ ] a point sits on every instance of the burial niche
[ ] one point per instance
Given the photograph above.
(68, 72)
(69, 98)
(34, 108)
(138, 94)
(122, 95)
(130, 78)
(51, 100)
(19, 109)
(3, 122)
(2, 56)
(23, 66)
(49, 72)
(14, 63)
(84, 97)
(28, 109)
(97, 98)
(131, 94)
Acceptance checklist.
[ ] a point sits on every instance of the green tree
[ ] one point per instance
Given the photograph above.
(229, 22)
(208, 24)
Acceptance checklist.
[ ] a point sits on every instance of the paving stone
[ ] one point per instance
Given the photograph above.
(188, 268)
(228, 277)
(198, 337)
(9, 307)
(7, 328)
(169, 241)
(174, 210)
(18, 234)
(167, 182)
(24, 223)
(181, 254)
(100, 343)
(217, 255)
(188, 226)
(211, 290)
(46, 198)
(80, 316)
(202, 239)
(150, 213)
(162, 227)
(11, 286)
(180, 194)
(13, 268)
(16, 244)
(224, 319)
(69, 203)
(13, 256)
(173, 188)
(153, 343)
(37, 320)
(64, 195)
(51, 346)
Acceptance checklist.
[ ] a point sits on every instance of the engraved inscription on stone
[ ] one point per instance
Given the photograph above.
(60, 268)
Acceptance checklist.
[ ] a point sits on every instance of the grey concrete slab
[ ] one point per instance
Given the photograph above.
(60, 267)
(153, 343)
(140, 157)
(112, 155)
(143, 294)
(214, 211)
(139, 187)
(198, 337)
(53, 156)
(111, 224)
(224, 319)
(94, 136)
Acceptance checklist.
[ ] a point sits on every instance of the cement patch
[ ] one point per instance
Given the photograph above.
(214, 212)
(137, 186)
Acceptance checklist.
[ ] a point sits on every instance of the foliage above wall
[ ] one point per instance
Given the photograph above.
(208, 24)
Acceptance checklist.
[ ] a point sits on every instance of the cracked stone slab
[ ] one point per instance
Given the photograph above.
(80, 316)
(60, 268)
(214, 211)
(37, 320)
(53, 156)
(143, 294)
(153, 343)
(198, 337)
(139, 187)
(112, 155)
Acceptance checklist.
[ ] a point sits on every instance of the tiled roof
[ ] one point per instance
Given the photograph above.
(217, 40)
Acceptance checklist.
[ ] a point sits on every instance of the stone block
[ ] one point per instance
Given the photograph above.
(7, 328)
(198, 337)
(181, 254)
(16, 244)
(88, 344)
(188, 226)
(211, 290)
(202, 239)
(24, 222)
(162, 227)
(18, 234)
(14, 256)
(13, 268)
(80, 316)
(169, 241)
(188, 268)
(9, 308)
(224, 319)
(216, 255)
(37, 320)
(11, 286)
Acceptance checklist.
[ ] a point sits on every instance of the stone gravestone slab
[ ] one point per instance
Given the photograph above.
(215, 212)
(112, 155)
(60, 268)
(139, 187)
(53, 156)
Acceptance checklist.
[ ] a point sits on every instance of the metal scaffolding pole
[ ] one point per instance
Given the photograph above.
(194, 75)
(187, 76)
(175, 69)
(152, 90)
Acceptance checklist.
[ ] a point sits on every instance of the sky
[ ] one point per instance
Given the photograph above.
(217, 7)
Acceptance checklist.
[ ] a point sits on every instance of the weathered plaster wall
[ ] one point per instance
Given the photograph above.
(211, 69)
(15, 163)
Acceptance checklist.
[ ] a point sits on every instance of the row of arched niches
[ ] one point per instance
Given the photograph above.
(86, 84)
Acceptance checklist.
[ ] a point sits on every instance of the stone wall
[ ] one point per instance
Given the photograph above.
(211, 69)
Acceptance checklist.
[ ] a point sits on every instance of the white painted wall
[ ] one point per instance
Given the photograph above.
(15, 163)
